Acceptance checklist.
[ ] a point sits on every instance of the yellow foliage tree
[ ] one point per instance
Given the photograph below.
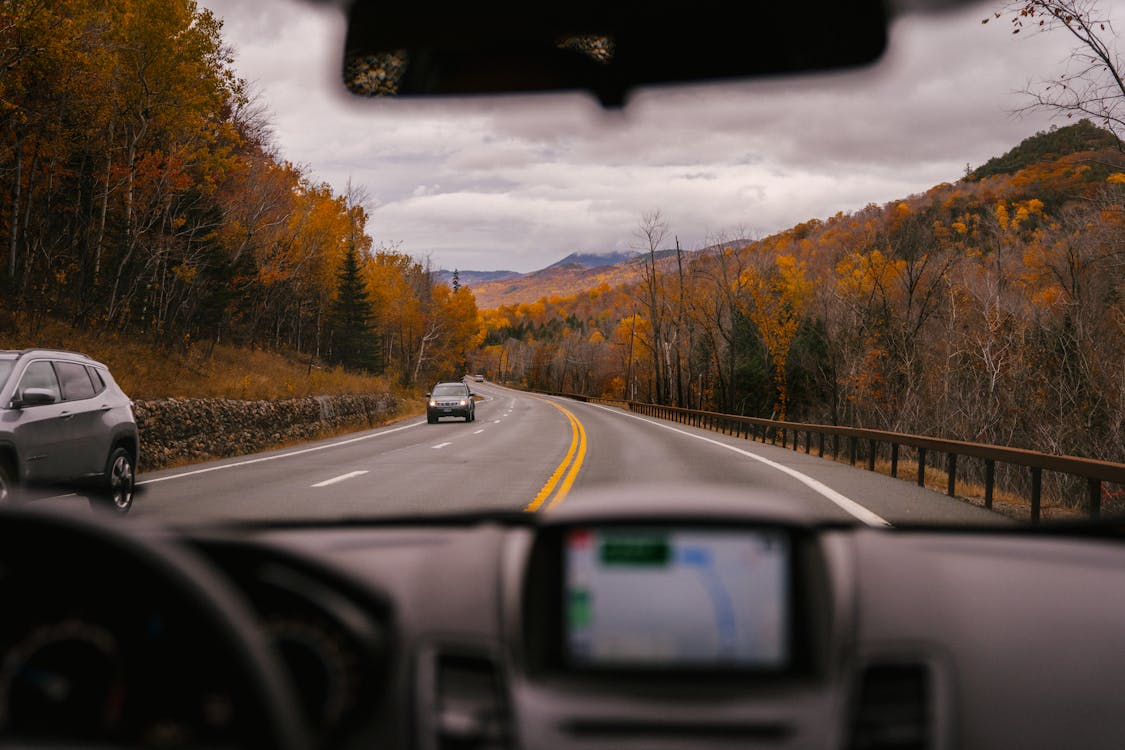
(777, 298)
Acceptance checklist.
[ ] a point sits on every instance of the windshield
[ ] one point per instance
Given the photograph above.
(879, 291)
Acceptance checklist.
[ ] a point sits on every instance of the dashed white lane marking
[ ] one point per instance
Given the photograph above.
(341, 478)
(442, 445)
(496, 421)
(236, 464)
(478, 432)
(846, 503)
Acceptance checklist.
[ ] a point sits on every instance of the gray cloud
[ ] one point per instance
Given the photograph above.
(512, 183)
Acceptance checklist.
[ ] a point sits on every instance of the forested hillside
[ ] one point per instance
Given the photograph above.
(991, 309)
(141, 194)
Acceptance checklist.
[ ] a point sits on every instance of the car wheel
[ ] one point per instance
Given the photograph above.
(120, 482)
(7, 486)
(431, 420)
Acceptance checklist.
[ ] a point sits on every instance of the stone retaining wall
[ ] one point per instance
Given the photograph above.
(196, 429)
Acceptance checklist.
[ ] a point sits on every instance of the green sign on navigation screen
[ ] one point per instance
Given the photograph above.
(633, 549)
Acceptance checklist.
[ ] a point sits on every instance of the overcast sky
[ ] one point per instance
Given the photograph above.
(503, 184)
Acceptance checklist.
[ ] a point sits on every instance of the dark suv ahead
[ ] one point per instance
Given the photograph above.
(450, 400)
(63, 420)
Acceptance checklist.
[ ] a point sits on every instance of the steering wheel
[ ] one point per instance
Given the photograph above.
(115, 635)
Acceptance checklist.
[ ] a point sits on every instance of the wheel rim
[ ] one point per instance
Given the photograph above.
(121, 482)
(4, 490)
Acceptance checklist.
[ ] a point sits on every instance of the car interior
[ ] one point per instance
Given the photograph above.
(635, 616)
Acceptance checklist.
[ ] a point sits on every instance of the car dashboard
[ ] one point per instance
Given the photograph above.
(621, 620)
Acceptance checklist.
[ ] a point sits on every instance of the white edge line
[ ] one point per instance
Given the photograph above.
(846, 503)
(280, 455)
(341, 478)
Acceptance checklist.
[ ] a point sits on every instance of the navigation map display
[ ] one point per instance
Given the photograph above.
(669, 597)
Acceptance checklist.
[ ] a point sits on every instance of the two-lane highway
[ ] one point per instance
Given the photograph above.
(500, 461)
(524, 451)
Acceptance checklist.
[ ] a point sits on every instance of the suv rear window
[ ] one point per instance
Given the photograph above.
(76, 383)
(97, 379)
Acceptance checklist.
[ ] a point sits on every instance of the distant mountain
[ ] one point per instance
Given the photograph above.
(575, 273)
(593, 260)
(474, 278)
(572, 261)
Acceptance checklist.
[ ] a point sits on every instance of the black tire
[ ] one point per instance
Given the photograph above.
(7, 486)
(431, 420)
(119, 484)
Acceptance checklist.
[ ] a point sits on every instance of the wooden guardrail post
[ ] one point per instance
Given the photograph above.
(894, 460)
(1095, 492)
(871, 444)
(1036, 492)
(989, 481)
(921, 467)
(951, 470)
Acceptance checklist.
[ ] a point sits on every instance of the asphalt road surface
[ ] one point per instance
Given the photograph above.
(523, 452)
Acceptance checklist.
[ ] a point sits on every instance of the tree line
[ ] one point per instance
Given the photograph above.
(989, 310)
(141, 193)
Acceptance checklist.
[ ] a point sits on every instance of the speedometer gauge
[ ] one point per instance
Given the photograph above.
(321, 666)
(63, 677)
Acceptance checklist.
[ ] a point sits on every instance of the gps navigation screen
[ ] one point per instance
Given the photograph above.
(666, 597)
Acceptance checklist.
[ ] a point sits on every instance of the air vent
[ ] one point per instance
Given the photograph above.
(893, 709)
(471, 703)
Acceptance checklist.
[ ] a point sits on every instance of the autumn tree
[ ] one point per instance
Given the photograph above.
(650, 233)
(1093, 83)
(776, 300)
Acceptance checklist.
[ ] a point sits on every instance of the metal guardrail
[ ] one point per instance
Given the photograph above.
(1095, 472)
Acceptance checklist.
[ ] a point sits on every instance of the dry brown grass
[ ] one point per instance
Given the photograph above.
(147, 371)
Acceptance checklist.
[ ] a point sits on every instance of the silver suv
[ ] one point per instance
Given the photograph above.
(63, 420)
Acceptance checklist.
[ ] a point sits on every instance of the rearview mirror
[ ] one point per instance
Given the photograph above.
(608, 49)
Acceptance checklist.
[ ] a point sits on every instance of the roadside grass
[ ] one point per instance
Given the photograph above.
(148, 371)
(1005, 502)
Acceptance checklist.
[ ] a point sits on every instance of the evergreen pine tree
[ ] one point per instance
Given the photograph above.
(354, 344)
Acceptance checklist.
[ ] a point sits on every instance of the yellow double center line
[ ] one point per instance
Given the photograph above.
(564, 476)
